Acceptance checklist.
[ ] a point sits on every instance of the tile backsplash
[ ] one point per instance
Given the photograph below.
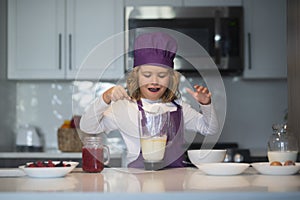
(46, 105)
(252, 107)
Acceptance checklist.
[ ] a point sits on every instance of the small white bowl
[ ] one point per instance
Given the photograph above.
(48, 172)
(206, 156)
(266, 169)
(223, 169)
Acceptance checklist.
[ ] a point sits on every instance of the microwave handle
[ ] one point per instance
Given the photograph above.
(249, 51)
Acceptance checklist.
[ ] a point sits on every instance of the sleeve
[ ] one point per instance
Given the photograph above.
(96, 118)
(206, 122)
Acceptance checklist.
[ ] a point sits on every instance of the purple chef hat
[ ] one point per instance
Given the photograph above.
(156, 48)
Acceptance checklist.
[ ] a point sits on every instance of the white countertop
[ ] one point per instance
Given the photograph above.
(179, 183)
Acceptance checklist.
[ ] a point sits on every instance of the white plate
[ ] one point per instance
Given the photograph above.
(267, 169)
(223, 169)
(48, 172)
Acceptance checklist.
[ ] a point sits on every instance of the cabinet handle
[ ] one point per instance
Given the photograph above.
(59, 51)
(218, 50)
(249, 51)
(70, 51)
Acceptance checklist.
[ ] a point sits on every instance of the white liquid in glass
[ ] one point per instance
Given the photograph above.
(282, 156)
(153, 149)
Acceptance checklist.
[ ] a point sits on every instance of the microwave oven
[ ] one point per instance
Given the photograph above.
(219, 30)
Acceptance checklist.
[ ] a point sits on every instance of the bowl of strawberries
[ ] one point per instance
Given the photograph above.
(48, 169)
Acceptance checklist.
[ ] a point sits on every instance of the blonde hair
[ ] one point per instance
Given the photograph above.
(172, 92)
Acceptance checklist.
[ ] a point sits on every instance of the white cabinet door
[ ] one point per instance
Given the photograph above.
(50, 39)
(35, 39)
(90, 24)
(265, 39)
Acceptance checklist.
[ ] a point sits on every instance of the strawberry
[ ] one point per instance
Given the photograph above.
(48, 163)
(31, 165)
(40, 164)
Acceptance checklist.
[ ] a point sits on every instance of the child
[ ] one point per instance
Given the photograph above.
(152, 84)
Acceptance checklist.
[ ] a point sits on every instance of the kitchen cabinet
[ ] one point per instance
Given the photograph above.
(50, 39)
(212, 2)
(265, 39)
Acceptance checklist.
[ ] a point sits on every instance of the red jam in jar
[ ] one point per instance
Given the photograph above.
(93, 155)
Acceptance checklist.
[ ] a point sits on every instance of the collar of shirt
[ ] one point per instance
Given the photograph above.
(157, 106)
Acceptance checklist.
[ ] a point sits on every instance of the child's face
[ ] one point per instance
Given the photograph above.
(153, 81)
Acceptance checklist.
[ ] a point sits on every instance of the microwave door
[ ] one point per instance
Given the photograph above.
(219, 30)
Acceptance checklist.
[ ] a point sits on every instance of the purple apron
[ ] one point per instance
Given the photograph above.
(174, 154)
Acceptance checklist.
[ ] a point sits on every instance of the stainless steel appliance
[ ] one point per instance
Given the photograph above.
(218, 29)
(28, 139)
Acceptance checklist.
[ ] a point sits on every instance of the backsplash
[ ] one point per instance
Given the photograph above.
(47, 104)
(252, 107)
(44, 105)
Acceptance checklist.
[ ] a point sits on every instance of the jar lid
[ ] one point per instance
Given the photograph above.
(92, 139)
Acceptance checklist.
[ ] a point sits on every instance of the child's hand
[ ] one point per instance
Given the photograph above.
(201, 94)
(114, 94)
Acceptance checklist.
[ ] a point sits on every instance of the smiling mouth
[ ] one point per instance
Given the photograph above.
(153, 89)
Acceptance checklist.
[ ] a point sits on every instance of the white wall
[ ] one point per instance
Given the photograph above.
(252, 108)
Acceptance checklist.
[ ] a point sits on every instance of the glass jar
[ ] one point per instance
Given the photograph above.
(94, 154)
(282, 146)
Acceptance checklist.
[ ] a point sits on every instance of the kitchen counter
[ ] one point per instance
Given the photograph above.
(180, 183)
(14, 159)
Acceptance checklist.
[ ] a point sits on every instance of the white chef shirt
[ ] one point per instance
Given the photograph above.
(123, 116)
